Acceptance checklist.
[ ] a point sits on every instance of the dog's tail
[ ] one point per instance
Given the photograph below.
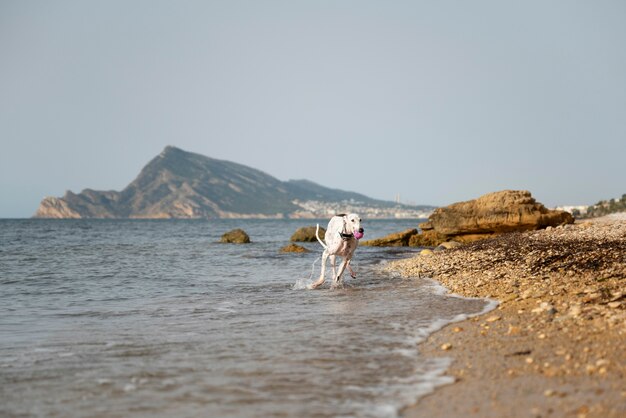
(317, 235)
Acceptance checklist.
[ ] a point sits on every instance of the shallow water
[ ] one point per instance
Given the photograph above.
(155, 318)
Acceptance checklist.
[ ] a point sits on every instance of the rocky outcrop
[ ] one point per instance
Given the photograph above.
(307, 234)
(398, 239)
(236, 236)
(489, 215)
(429, 239)
(293, 248)
(87, 204)
(53, 207)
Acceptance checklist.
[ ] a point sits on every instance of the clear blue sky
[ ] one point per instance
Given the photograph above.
(436, 101)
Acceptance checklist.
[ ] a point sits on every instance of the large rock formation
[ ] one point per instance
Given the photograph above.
(181, 184)
(398, 239)
(489, 215)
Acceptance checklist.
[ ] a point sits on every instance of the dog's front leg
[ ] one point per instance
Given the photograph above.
(342, 268)
(352, 272)
(332, 263)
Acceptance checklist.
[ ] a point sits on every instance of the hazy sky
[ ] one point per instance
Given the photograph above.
(439, 101)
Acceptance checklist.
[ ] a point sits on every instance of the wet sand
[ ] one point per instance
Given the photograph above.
(555, 346)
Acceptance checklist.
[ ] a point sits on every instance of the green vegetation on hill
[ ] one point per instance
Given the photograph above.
(605, 207)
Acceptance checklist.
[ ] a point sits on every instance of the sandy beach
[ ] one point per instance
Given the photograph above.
(555, 346)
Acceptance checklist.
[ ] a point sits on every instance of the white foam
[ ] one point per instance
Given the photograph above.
(442, 290)
(384, 410)
(439, 324)
(436, 376)
(302, 283)
(104, 381)
(406, 352)
(406, 391)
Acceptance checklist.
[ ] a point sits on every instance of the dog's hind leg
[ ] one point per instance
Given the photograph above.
(321, 280)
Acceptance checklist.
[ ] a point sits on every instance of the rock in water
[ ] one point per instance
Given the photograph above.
(236, 236)
(307, 234)
(293, 248)
(489, 215)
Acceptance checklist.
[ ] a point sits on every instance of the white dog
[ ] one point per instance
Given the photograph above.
(341, 238)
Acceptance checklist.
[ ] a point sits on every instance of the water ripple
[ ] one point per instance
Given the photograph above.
(155, 318)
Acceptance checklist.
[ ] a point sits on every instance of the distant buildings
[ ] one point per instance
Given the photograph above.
(574, 210)
(320, 209)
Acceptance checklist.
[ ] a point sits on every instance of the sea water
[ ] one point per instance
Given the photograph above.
(118, 318)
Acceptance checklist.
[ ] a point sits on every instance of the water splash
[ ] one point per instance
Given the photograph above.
(302, 283)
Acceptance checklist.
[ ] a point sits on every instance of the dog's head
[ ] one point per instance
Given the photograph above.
(353, 225)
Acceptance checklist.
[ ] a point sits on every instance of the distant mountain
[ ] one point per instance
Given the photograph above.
(181, 184)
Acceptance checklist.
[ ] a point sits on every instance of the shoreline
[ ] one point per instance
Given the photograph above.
(555, 344)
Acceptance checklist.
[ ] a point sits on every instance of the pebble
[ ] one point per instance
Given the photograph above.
(544, 307)
(575, 310)
(494, 318)
(513, 330)
(446, 346)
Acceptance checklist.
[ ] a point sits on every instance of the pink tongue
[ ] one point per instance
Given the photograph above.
(358, 235)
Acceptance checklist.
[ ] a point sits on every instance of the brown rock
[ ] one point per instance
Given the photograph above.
(447, 245)
(489, 215)
(427, 239)
(293, 248)
(307, 234)
(236, 236)
(399, 239)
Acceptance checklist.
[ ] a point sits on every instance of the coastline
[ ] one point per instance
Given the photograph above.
(554, 345)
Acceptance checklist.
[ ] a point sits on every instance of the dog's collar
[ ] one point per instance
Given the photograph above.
(343, 235)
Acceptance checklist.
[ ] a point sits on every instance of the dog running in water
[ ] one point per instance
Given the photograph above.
(342, 238)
